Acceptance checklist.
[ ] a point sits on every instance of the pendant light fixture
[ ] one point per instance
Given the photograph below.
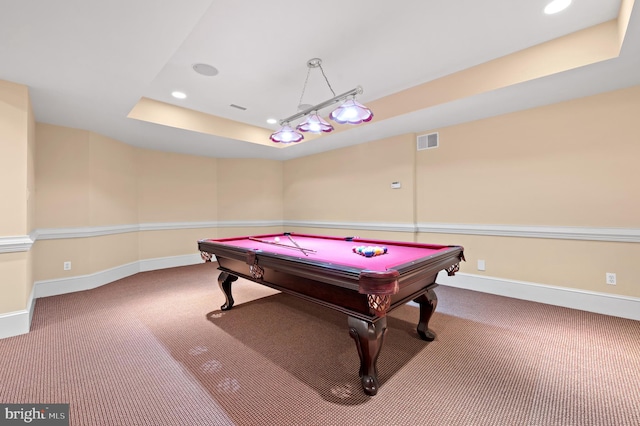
(349, 112)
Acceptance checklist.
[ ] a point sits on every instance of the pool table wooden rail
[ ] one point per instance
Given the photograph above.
(289, 273)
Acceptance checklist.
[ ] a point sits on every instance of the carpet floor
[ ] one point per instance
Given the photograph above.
(155, 349)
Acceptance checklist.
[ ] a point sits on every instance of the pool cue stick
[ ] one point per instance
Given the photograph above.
(294, 242)
(282, 245)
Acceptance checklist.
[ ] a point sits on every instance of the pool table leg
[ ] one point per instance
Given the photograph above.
(224, 281)
(368, 337)
(428, 302)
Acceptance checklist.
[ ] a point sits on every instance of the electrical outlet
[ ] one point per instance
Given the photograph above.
(67, 266)
(611, 278)
(481, 265)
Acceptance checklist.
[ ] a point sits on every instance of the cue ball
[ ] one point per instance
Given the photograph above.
(276, 239)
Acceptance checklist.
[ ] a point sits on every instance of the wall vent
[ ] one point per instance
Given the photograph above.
(428, 141)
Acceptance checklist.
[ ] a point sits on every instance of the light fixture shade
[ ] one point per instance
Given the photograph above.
(314, 124)
(352, 112)
(286, 134)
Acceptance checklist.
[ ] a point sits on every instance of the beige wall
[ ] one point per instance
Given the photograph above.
(113, 195)
(63, 184)
(361, 233)
(13, 285)
(573, 264)
(83, 180)
(16, 192)
(14, 128)
(31, 197)
(568, 164)
(175, 187)
(31, 170)
(88, 180)
(353, 184)
(249, 190)
(172, 242)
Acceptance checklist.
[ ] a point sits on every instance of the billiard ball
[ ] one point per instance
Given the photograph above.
(276, 239)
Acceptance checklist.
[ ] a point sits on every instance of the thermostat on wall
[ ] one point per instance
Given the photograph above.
(396, 185)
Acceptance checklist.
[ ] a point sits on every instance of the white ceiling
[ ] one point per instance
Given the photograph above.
(88, 62)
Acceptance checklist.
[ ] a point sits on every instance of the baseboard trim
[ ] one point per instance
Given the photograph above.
(601, 303)
(169, 262)
(19, 322)
(87, 282)
(59, 286)
(14, 323)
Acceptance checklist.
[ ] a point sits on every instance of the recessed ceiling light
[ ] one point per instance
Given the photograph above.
(179, 95)
(272, 121)
(205, 69)
(556, 6)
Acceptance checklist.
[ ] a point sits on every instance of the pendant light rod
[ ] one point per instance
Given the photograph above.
(352, 92)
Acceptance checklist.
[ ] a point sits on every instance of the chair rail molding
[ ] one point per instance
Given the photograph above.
(16, 243)
(622, 235)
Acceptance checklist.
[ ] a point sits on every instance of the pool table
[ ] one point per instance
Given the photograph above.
(332, 272)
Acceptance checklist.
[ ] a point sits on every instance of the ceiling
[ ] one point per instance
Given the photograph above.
(87, 63)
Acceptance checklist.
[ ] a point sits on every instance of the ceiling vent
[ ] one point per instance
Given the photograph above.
(238, 107)
(428, 141)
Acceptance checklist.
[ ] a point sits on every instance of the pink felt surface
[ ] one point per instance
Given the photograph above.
(338, 251)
